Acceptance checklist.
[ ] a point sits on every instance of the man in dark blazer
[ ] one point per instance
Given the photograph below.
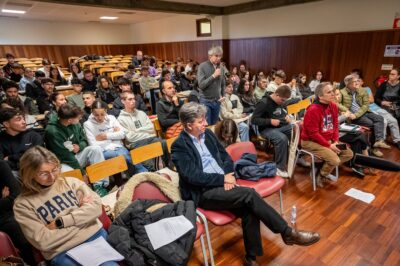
(206, 177)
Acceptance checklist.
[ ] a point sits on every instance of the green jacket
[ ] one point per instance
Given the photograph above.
(55, 136)
(361, 99)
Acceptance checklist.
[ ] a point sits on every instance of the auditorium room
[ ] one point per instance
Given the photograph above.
(183, 132)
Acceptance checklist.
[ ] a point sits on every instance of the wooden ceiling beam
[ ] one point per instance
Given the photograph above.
(185, 8)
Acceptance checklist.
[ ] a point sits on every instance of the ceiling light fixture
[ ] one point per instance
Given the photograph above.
(13, 11)
(108, 18)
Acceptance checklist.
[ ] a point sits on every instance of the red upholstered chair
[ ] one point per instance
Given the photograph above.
(147, 190)
(7, 247)
(265, 186)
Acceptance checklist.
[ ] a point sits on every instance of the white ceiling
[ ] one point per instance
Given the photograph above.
(74, 13)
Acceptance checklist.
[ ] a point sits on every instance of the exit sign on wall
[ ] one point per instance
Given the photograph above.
(396, 23)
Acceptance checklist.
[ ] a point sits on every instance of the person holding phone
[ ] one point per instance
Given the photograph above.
(320, 134)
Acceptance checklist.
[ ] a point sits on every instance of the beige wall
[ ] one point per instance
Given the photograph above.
(317, 17)
(18, 31)
(173, 29)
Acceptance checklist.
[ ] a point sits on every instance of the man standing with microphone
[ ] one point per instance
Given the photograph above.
(211, 79)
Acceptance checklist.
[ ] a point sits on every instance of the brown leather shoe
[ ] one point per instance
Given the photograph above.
(301, 238)
(248, 262)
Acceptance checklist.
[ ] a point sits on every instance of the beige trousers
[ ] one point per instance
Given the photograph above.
(331, 159)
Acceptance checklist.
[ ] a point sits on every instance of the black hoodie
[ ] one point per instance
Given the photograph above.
(14, 147)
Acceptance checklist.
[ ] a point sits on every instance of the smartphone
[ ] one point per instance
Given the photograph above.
(341, 146)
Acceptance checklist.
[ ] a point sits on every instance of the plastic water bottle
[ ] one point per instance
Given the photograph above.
(293, 216)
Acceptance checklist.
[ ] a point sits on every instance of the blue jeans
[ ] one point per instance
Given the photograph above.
(63, 259)
(138, 168)
(280, 137)
(213, 108)
(243, 131)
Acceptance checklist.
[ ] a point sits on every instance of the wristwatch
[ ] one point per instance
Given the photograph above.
(59, 223)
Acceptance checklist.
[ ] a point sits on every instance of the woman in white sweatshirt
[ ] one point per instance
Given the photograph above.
(105, 131)
(55, 213)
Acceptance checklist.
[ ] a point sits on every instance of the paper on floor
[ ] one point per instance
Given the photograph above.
(360, 195)
(167, 230)
(94, 253)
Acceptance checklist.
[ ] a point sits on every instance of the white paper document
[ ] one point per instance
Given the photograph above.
(360, 195)
(94, 253)
(167, 230)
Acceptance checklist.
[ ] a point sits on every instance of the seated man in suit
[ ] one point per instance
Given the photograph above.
(206, 177)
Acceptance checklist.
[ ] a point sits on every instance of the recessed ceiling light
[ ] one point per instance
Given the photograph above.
(13, 11)
(109, 18)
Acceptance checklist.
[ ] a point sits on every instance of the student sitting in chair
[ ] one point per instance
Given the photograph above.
(105, 131)
(320, 134)
(55, 213)
(65, 137)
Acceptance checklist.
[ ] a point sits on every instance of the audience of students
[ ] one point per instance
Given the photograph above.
(109, 133)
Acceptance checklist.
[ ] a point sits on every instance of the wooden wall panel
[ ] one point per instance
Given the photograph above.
(335, 54)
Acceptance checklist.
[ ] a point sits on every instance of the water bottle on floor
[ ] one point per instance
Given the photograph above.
(293, 216)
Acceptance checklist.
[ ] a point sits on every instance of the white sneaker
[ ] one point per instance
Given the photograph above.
(281, 173)
(332, 178)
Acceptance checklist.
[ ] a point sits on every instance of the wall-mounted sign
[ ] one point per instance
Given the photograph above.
(386, 67)
(392, 51)
(396, 21)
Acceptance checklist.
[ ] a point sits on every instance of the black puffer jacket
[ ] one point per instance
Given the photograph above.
(128, 236)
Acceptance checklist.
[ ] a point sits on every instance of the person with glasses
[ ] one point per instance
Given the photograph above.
(356, 101)
(278, 78)
(56, 213)
(43, 101)
(274, 123)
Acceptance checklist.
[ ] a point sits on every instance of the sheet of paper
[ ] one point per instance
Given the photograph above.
(360, 195)
(345, 127)
(94, 253)
(167, 230)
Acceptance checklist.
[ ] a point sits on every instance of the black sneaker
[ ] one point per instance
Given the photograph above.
(359, 171)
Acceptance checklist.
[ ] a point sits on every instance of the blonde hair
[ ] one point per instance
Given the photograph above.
(30, 164)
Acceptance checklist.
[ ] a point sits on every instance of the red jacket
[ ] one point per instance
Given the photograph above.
(321, 124)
